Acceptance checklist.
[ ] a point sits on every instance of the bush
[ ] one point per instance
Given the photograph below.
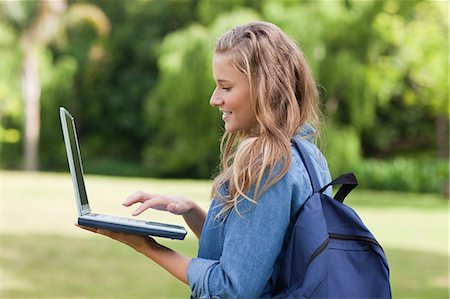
(403, 174)
(341, 147)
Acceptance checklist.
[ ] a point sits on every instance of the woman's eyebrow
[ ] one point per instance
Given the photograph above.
(223, 81)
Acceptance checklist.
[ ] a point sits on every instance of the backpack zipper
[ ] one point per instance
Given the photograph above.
(355, 238)
(318, 251)
(324, 245)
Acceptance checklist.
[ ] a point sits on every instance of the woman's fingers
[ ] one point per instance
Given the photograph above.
(96, 230)
(158, 203)
(92, 229)
(137, 242)
(101, 231)
(137, 196)
(173, 204)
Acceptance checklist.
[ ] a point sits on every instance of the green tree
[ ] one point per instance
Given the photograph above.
(187, 128)
(415, 49)
(141, 95)
(10, 98)
(38, 24)
(112, 86)
(371, 57)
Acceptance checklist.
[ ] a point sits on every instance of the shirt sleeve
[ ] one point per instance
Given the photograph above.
(252, 243)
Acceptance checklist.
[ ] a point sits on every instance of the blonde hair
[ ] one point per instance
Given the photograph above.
(284, 97)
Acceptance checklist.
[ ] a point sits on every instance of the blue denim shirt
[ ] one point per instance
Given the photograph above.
(239, 257)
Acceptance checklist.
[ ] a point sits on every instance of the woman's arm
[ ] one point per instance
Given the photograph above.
(249, 244)
(192, 213)
(195, 219)
(170, 260)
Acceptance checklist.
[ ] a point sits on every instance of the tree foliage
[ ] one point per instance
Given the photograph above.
(140, 96)
(375, 60)
(187, 129)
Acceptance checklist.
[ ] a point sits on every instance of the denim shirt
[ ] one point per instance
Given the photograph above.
(240, 256)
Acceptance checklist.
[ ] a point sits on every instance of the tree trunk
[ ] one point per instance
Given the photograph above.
(31, 91)
(37, 35)
(442, 138)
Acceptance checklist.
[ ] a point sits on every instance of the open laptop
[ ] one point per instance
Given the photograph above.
(85, 217)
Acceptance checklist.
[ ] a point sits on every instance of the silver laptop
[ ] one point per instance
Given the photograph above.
(85, 216)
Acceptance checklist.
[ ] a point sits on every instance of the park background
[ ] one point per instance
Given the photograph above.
(136, 75)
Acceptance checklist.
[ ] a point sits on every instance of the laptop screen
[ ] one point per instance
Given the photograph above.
(76, 157)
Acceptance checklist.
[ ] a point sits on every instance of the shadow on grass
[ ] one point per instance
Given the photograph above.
(58, 266)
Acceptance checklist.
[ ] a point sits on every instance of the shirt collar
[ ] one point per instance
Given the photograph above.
(307, 131)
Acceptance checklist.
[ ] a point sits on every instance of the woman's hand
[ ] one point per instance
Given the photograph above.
(137, 242)
(192, 213)
(168, 259)
(174, 204)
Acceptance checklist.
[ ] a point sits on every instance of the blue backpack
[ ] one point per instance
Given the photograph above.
(331, 253)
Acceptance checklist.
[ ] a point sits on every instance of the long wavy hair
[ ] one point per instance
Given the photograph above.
(283, 95)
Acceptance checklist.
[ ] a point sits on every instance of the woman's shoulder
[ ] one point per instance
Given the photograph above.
(318, 159)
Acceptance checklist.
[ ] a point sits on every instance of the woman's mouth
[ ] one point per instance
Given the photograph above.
(225, 114)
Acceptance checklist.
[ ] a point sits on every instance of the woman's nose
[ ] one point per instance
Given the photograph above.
(215, 101)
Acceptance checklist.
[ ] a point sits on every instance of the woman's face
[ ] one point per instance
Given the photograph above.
(232, 95)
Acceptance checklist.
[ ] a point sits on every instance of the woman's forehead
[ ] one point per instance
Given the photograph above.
(224, 68)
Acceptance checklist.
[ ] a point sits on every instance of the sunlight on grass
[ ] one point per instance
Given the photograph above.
(88, 267)
(409, 229)
(96, 267)
(44, 255)
(48, 201)
(416, 274)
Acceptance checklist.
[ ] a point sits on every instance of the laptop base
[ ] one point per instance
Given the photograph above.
(132, 229)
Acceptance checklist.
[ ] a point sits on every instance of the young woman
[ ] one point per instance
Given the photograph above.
(267, 96)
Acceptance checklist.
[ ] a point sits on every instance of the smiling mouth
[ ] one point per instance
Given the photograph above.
(225, 115)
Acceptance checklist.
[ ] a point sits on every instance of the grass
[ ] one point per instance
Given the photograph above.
(42, 255)
(59, 266)
(417, 274)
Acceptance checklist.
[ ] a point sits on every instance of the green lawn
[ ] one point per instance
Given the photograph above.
(44, 256)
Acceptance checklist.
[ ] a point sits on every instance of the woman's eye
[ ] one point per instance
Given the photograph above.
(226, 88)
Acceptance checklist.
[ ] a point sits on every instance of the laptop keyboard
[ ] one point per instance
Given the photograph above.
(116, 218)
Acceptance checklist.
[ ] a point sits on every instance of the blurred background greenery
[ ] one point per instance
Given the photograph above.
(137, 77)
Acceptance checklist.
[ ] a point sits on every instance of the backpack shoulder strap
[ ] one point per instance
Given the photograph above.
(308, 164)
(348, 180)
